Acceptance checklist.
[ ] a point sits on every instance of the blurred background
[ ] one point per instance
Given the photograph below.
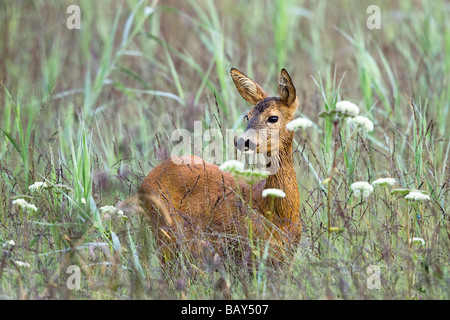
(95, 108)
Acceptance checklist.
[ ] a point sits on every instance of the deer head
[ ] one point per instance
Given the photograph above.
(266, 129)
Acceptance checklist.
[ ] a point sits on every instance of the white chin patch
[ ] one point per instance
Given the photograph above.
(248, 152)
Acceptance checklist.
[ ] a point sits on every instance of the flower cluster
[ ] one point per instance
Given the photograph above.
(384, 182)
(111, 210)
(273, 193)
(361, 187)
(417, 240)
(9, 243)
(417, 196)
(361, 122)
(347, 108)
(21, 203)
(299, 123)
(232, 166)
(237, 167)
(148, 11)
(22, 264)
(38, 186)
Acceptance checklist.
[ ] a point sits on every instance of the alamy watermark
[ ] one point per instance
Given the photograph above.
(374, 277)
(263, 145)
(74, 20)
(374, 20)
(73, 281)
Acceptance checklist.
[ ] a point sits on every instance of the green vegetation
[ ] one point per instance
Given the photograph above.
(92, 111)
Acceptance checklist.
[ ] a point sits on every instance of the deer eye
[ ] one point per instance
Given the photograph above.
(246, 118)
(273, 119)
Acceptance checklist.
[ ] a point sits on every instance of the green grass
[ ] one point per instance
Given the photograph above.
(92, 111)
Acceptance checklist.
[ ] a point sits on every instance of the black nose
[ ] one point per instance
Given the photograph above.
(245, 144)
(240, 144)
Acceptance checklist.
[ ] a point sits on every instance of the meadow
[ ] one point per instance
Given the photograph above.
(91, 111)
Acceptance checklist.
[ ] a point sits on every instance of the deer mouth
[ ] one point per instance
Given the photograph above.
(249, 151)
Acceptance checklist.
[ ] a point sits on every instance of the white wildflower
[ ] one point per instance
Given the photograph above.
(361, 122)
(22, 264)
(232, 166)
(417, 196)
(347, 108)
(250, 175)
(83, 200)
(299, 123)
(111, 210)
(237, 167)
(148, 11)
(24, 205)
(121, 214)
(273, 193)
(38, 186)
(9, 243)
(417, 240)
(384, 182)
(362, 187)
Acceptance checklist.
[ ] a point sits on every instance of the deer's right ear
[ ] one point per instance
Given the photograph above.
(249, 89)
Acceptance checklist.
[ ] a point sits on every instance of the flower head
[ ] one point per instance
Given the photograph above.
(361, 122)
(384, 182)
(251, 174)
(148, 11)
(347, 107)
(21, 203)
(362, 187)
(417, 240)
(9, 243)
(237, 167)
(417, 196)
(232, 166)
(111, 210)
(298, 123)
(273, 193)
(38, 186)
(22, 264)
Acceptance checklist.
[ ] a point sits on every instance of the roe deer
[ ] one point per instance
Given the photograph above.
(197, 199)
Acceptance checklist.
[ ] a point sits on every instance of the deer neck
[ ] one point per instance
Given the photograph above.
(284, 211)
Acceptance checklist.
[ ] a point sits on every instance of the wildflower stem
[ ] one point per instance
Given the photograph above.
(390, 205)
(407, 228)
(421, 218)
(348, 143)
(409, 262)
(333, 167)
(312, 151)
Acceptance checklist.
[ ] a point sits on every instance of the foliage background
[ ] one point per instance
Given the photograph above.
(93, 110)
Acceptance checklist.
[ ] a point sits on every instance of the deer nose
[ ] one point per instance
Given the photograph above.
(245, 144)
(240, 144)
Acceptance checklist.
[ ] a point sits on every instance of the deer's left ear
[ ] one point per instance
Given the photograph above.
(286, 89)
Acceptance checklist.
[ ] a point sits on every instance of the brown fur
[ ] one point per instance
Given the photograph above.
(199, 202)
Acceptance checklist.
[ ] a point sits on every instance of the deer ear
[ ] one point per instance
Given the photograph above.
(286, 89)
(249, 89)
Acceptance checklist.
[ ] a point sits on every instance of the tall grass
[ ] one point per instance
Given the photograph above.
(91, 111)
